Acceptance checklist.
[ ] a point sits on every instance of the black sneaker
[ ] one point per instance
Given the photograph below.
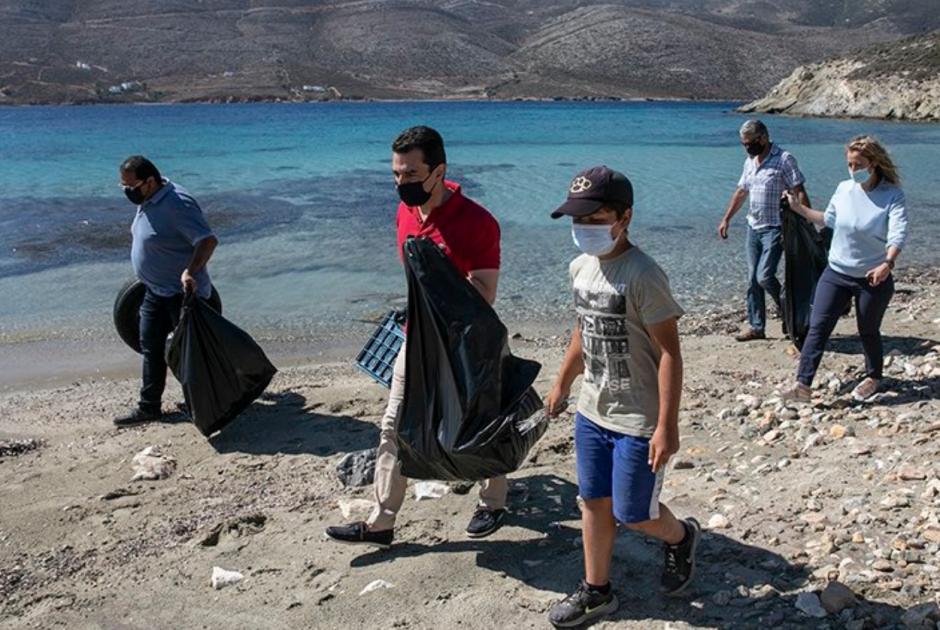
(138, 416)
(485, 522)
(582, 606)
(679, 566)
(359, 534)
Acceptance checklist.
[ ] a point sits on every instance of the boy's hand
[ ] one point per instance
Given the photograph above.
(557, 401)
(663, 445)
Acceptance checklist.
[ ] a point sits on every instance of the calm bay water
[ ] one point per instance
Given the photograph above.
(303, 201)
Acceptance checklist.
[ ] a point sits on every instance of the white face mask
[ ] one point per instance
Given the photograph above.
(593, 240)
(860, 176)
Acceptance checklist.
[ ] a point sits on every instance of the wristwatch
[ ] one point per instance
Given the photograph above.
(890, 262)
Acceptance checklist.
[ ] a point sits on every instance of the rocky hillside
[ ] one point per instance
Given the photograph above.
(898, 81)
(218, 50)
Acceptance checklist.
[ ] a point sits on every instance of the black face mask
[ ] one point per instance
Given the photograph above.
(413, 194)
(134, 195)
(754, 148)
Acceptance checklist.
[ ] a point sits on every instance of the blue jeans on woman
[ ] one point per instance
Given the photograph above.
(834, 291)
(764, 249)
(158, 317)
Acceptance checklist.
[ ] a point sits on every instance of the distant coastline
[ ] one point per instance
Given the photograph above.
(897, 81)
(353, 99)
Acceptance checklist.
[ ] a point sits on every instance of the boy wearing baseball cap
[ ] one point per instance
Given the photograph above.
(626, 345)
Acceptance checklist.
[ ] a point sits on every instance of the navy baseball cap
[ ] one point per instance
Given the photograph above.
(594, 188)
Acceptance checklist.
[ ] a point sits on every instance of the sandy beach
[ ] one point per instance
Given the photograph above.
(793, 497)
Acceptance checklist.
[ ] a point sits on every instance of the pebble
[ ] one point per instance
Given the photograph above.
(222, 578)
(836, 597)
(910, 473)
(838, 431)
(882, 565)
(718, 521)
(918, 616)
(374, 586)
(809, 604)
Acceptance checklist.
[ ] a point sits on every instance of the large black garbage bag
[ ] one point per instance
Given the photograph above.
(469, 411)
(127, 311)
(805, 258)
(221, 368)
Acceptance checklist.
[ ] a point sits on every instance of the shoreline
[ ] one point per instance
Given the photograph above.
(101, 354)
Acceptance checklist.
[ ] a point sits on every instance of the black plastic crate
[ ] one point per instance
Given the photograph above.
(377, 358)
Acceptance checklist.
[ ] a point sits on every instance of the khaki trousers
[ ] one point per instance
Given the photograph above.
(389, 487)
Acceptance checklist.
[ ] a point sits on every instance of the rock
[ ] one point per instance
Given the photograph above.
(683, 464)
(718, 521)
(150, 464)
(813, 518)
(357, 469)
(375, 585)
(911, 473)
(222, 578)
(858, 538)
(836, 597)
(355, 507)
(430, 490)
(813, 440)
(838, 431)
(931, 533)
(932, 490)
(883, 566)
(771, 436)
(809, 604)
(921, 616)
(749, 401)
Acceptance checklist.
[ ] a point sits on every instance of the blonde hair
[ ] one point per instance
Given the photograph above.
(877, 155)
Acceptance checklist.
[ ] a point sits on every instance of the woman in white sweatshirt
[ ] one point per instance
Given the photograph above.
(869, 223)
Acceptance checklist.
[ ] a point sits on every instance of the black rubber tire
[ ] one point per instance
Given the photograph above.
(127, 311)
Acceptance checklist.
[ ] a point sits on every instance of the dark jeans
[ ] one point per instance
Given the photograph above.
(158, 317)
(834, 293)
(764, 249)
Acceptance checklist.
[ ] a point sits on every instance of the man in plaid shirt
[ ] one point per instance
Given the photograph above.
(768, 172)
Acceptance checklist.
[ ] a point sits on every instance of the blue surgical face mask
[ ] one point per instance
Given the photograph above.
(860, 176)
(593, 240)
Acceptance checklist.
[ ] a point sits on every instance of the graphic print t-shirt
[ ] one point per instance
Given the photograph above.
(616, 301)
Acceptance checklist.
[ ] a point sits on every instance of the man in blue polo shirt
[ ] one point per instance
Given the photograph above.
(172, 243)
(768, 172)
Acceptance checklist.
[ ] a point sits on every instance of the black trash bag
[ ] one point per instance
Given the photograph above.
(805, 258)
(469, 410)
(221, 368)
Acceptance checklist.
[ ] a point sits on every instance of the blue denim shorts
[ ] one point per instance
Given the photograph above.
(616, 465)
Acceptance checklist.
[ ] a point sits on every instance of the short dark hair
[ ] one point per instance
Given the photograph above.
(141, 167)
(617, 207)
(428, 140)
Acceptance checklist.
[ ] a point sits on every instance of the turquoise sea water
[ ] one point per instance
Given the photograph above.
(302, 198)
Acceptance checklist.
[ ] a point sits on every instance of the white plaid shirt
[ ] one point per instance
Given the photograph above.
(765, 185)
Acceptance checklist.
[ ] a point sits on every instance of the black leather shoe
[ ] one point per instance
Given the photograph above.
(485, 522)
(138, 416)
(359, 534)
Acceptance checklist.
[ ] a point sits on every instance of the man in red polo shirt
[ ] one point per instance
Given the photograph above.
(434, 208)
